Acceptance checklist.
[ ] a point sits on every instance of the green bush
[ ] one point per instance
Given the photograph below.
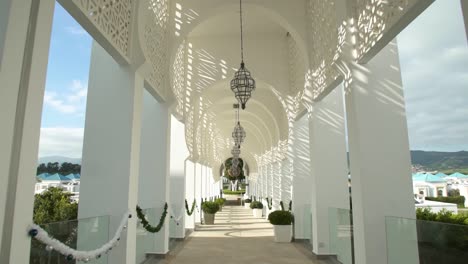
(459, 200)
(247, 200)
(210, 207)
(447, 230)
(443, 216)
(256, 205)
(233, 192)
(280, 218)
(220, 201)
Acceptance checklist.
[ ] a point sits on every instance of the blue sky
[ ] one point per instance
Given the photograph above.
(66, 87)
(433, 55)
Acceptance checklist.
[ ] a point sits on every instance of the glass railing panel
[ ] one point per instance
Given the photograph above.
(428, 242)
(307, 218)
(147, 242)
(176, 222)
(82, 234)
(341, 234)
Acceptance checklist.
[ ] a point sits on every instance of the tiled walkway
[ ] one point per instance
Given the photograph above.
(237, 237)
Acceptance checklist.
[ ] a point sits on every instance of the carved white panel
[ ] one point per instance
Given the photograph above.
(327, 38)
(375, 18)
(189, 132)
(156, 44)
(112, 18)
(178, 78)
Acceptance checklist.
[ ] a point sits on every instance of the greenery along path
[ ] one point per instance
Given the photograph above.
(237, 237)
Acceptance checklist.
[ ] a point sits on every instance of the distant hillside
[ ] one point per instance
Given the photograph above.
(440, 161)
(59, 159)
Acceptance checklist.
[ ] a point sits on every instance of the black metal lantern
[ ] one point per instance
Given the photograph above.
(234, 171)
(238, 134)
(243, 84)
(235, 152)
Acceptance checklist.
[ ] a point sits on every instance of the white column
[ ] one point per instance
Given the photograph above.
(271, 181)
(329, 166)
(277, 184)
(203, 182)
(379, 155)
(302, 180)
(464, 6)
(23, 64)
(198, 190)
(179, 153)
(111, 149)
(154, 184)
(190, 192)
(266, 181)
(285, 182)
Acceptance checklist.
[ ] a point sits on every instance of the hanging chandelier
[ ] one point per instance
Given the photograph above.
(243, 84)
(235, 151)
(234, 171)
(238, 134)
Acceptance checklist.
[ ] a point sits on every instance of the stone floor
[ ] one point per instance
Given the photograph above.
(236, 237)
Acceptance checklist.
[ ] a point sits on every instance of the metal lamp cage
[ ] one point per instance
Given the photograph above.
(238, 134)
(242, 85)
(235, 151)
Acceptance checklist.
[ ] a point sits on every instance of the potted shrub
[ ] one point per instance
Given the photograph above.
(257, 209)
(247, 203)
(221, 202)
(209, 211)
(281, 221)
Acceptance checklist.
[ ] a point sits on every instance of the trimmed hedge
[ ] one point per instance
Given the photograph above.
(233, 192)
(210, 207)
(247, 200)
(459, 200)
(443, 216)
(220, 201)
(446, 236)
(280, 218)
(256, 205)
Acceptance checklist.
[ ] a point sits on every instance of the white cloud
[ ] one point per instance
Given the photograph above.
(433, 53)
(75, 30)
(72, 101)
(60, 141)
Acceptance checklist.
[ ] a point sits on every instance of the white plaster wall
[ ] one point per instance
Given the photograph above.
(178, 155)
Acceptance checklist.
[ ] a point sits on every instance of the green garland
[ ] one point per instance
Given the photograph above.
(190, 212)
(282, 206)
(269, 203)
(146, 225)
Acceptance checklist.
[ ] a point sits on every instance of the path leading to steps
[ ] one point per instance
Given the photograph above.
(237, 237)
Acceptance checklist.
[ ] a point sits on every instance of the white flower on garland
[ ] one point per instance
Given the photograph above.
(72, 254)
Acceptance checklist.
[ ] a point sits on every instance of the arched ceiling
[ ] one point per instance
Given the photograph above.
(264, 119)
(204, 44)
(227, 23)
